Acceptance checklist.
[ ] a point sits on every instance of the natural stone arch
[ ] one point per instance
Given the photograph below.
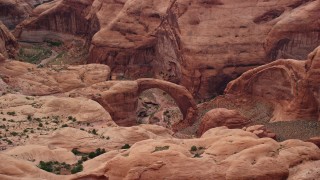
(283, 76)
(180, 94)
(299, 104)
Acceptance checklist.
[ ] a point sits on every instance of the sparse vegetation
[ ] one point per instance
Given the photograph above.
(52, 43)
(34, 54)
(126, 146)
(54, 166)
(11, 113)
(194, 148)
(161, 148)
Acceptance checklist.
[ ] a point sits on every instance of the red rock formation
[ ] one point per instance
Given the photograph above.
(56, 20)
(180, 94)
(199, 44)
(119, 98)
(12, 12)
(290, 84)
(221, 117)
(315, 140)
(261, 131)
(230, 154)
(8, 43)
(31, 80)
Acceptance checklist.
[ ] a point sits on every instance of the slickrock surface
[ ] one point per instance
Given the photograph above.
(109, 138)
(23, 116)
(32, 80)
(221, 117)
(37, 153)
(199, 44)
(224, 153)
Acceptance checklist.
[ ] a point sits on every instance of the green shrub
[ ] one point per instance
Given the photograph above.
(47, 166)
(193, 148)
(11, 113)
(197, 155)
(54, 43)
(14, 133)
(159, 148)
(126, 146)
(77, 168)
(75, 151)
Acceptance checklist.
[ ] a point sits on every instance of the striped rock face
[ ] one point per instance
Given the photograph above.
(199, 44)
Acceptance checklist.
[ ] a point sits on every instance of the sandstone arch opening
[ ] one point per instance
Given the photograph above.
(181, 96)
(282, 89)
(156, 106)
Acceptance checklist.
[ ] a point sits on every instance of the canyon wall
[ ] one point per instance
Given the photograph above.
(199, 44)
(204, 44)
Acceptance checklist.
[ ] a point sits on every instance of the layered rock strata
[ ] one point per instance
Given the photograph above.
(199, 44)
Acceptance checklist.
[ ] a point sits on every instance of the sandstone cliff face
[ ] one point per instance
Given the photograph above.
(203, 45)
(56, 20)
(12, 12)
(291, 85)
(199, 44)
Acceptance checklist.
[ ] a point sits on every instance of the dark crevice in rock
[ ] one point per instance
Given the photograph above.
(268, 16)
(272, 55)
(299, 3)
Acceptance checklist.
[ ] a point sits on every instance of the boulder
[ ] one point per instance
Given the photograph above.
(221, 117)
(261, 131)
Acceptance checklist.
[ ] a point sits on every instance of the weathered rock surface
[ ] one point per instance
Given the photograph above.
(230, 154)
(291, 85)
(8, 43)
(315, 140)
(31, 80)
(56, 20)
(23, 116)
(221, 117)
(116, 137)
(261, 131)
(2, 58)
(12, 12)
(37, 153)
(199, 44)
(309, 170)
(120, 99)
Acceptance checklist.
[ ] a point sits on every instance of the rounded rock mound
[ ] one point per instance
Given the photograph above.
(221, 117)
